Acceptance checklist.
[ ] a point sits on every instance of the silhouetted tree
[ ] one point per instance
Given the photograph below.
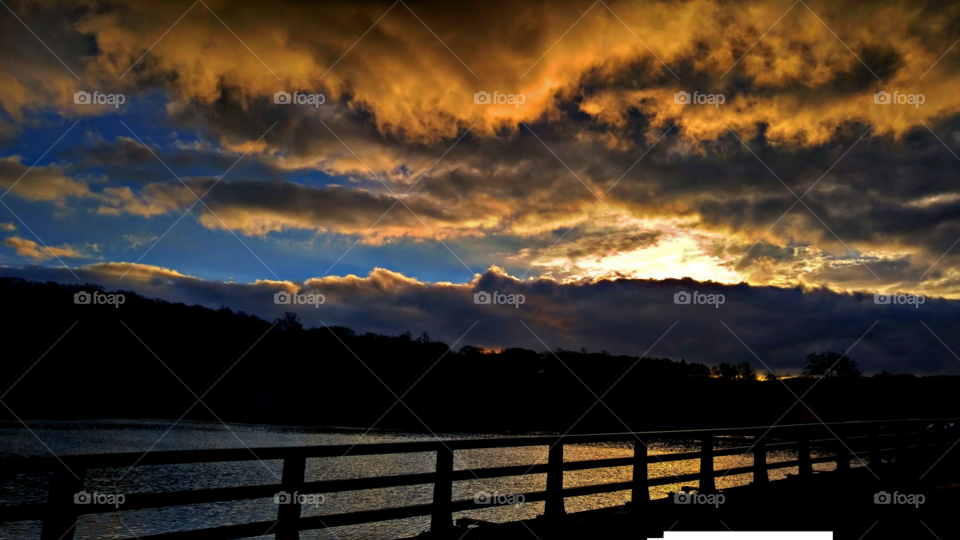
(830, 364)
(726, 371)
(745, 372)
(336, 366)
(290, 322)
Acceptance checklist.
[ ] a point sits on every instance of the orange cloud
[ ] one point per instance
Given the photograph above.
(804, 81)
(32, 250)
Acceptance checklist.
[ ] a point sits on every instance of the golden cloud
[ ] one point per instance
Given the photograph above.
(417, 89)
(32, 250)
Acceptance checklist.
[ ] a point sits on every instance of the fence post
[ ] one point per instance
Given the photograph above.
(873, 440)
(707, 482)
(923, 442)
(553, 506)
(903, 446)
(288, 515)
(60, 518)
(803, 450)
(442, 518)
(641, 486)
(843, 458)
(760, 461)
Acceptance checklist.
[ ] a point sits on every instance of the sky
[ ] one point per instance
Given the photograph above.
(597, 158)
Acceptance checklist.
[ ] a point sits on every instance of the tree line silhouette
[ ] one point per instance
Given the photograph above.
(153, 358)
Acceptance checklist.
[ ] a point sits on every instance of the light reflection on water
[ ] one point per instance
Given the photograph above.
(139, 435)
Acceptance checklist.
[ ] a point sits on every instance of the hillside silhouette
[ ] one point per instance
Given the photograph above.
(138, 360)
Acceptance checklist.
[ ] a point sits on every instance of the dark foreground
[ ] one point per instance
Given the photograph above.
(838, 502)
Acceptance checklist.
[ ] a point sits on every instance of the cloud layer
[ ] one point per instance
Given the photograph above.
(624, 317)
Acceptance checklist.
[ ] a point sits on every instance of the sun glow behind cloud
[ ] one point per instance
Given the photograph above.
(678, 255)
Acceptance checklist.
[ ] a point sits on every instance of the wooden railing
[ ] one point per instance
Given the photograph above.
(869, 441)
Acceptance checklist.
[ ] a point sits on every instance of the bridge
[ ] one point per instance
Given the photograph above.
(893, 448)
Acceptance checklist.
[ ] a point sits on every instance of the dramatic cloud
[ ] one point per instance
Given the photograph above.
(802, 176)
(800, 80)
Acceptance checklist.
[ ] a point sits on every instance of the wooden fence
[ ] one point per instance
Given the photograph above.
(869, 441)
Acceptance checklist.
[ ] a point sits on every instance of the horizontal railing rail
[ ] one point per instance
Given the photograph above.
(875, 440)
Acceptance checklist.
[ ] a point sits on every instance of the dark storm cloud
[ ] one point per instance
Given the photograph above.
(624, 316)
